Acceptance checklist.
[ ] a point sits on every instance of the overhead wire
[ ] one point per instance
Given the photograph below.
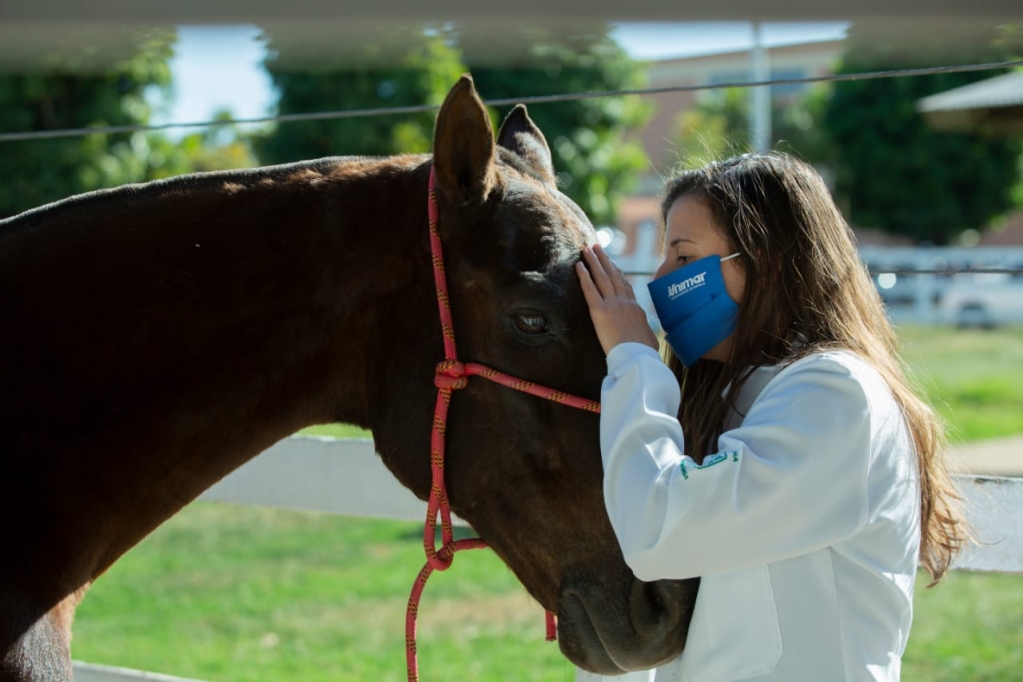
(535, 99)
(548, 99)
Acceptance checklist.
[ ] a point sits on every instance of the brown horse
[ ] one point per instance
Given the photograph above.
(155, 337)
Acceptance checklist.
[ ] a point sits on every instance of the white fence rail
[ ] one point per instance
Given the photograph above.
(90, 672)
(343, 477)
(347, 477)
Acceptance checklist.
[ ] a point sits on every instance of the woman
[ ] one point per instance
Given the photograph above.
(780, 454)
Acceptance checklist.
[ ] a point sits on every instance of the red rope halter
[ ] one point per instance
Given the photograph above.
(450, 376)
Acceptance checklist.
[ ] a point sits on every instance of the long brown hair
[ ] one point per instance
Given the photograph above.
(805, 281)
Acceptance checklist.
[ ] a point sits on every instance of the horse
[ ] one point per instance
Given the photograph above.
(156, 336)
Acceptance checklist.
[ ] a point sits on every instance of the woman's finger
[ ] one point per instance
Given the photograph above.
(617, 317)
(616, 278)
(598, 273)
(590, 293)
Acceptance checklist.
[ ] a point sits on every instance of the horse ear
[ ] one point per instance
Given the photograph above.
(520, 135)
(463, 146)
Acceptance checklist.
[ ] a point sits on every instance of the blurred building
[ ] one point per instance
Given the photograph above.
(1006, 232)
(786, 62)
(639, 223)
(639, 214)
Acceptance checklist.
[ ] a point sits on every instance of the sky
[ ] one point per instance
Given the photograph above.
(219, 67)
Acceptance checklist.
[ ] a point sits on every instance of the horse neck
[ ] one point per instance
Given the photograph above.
(213, 324)
(319, 272)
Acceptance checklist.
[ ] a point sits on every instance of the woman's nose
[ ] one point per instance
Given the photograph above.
(663, 269)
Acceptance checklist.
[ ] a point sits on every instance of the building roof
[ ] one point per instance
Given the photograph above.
(1001, 91)
(994, 105)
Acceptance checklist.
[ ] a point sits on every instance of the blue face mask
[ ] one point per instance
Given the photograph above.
(695, 311)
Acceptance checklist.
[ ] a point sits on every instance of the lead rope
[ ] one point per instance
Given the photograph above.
(452, 375)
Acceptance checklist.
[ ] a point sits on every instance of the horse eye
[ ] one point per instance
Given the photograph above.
(531, 324)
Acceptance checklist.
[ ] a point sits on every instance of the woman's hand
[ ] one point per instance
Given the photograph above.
(616, 315)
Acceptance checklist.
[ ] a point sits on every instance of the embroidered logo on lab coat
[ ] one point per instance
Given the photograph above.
(729, 456)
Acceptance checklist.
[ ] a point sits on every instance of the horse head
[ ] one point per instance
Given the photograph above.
(525, 472)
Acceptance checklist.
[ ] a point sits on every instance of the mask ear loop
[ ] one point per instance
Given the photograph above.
(734, 255)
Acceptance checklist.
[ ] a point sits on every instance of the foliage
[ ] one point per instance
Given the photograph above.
(422, 74)
(716, 127)
(719, 126)
(798, 127)
(71, 95)
(219, 147)
(589, 138)
(897, 174)
(40, 171)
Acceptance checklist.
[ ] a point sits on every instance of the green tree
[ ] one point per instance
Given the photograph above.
(418, 65)
(589, 138)
(218, 147)
(718, 126)
(420, 72)
(70, 95)
(895, 173)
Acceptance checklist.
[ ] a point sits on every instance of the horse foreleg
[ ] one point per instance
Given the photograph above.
(36, 648)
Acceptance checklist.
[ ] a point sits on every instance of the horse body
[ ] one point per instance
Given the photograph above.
(156, 337)
(159, 337)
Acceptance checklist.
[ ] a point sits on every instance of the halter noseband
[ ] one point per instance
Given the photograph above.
(452, 375)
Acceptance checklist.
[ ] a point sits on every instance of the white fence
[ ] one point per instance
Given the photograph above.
(347, 477)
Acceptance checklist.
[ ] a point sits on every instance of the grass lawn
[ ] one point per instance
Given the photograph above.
(222, 592)
(968, 628)
(252, 594)
(973, 378)
(228, 593)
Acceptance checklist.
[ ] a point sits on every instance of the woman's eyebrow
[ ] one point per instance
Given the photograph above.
(676, 242)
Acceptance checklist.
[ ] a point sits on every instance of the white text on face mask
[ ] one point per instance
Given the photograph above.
(686, 285)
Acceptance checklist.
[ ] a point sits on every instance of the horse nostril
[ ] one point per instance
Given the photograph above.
(675, 596)
(655, 596)
(657, 607)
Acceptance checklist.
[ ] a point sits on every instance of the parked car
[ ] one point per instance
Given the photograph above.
(986, 301)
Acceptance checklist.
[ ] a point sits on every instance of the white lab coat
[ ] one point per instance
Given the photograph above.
(804, 525)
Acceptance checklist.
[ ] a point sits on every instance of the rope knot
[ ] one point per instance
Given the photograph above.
(450, 374)
(440, 560)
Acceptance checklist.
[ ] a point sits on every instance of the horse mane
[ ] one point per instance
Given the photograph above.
(118, 197)
(101, 199)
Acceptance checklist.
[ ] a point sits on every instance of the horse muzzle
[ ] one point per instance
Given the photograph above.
(644, 627)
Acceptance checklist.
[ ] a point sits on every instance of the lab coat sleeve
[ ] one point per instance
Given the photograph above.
(790, 480)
